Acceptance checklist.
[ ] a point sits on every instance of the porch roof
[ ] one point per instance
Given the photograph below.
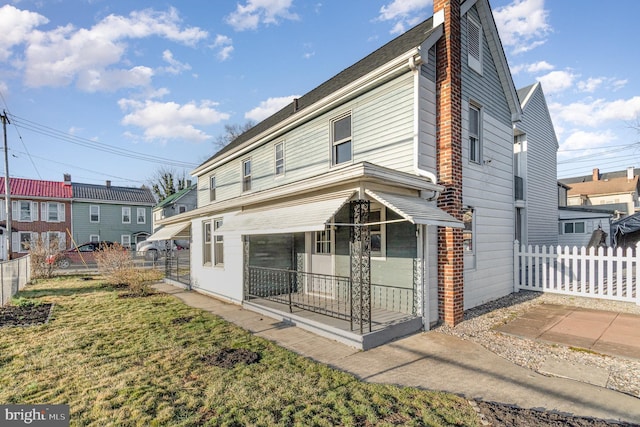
(307, 214)
(415, 209)
(174, 231)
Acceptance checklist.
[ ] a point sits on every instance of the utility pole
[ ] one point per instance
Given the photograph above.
(7, 187)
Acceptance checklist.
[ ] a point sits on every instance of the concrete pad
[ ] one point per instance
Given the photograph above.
(617, 349)
(583, 328)
(588, 374)
(567, 339)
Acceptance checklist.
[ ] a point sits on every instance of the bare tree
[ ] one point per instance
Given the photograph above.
(166, 182)
(231, 132)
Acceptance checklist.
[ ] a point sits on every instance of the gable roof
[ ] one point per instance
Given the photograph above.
(175, 197)
(401, 44)
(102, 193)
(525, 93)
(603, 186)
(37, 188)
(603, 176)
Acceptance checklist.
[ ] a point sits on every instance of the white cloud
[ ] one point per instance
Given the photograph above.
(405, 13)
(557, 81)
(591, 84)
(582, 140)
(596, 112)
(169, 120)
(175, 66)
(269, 107)
(94, 58)
(255, 12)
(522, 25)
(532, 68)
(15, 27)
(225, 46)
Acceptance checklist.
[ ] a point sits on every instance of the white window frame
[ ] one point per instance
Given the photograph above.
(31, 241)
(218, 244)
(51, 207)
(125, 240)
(207, 247)
(126, 214)
(474, 45)
(278, 158)
(33, 211)
(212, 188)
(143, 216)
(59, 235)
(246, 177)
(94, 238)
(336, 143)
(92, 207)
(382, 231)
(469, 243)
(323, 241)
(475, 135)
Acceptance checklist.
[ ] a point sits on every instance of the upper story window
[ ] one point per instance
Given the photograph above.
(475, 131)
(212, 188)
(52, 212)
(182, 208)
(474, 45)
(246, 175)
(94, 213)
(141, 215)
(25, 211)
(278, 150)
(126, 215)
(341, 140)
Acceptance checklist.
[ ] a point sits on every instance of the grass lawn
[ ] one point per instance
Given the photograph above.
(143, 361)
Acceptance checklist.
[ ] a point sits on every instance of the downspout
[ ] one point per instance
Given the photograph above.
(415, 68)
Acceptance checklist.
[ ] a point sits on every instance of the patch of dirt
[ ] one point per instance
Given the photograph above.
(181, 320)
(24, 315)
(230, 357)
(498, 414)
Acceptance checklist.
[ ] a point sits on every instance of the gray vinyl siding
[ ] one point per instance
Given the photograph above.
(382, 133)
(110, 227)
(541, 171)
(488, 187)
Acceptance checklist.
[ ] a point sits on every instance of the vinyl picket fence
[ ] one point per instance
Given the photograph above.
(587, 272)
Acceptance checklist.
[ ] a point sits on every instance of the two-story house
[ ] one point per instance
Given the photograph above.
(39, 210)
(535, 168)
(377, 204)
(180, 202)
(111, 213)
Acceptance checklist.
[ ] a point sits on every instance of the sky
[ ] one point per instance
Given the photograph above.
(119, 90)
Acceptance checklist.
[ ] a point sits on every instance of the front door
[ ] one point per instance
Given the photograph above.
(322, 282)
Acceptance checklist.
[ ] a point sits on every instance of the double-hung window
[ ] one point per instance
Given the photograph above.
(125, 240)
(26, 211)
(279, 158)
(341, 140)
(246, 175)
(206, 246)
(212, 188)
(141, 215)
(126, 215)
(52, 212)
(475, 131)
(94, 213)
(468, 236)
(218, 244)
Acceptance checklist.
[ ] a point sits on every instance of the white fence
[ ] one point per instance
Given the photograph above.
(14, 275)
(587, 272)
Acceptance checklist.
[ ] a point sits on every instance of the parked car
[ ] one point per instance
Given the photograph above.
(154, 249)
(82, 254)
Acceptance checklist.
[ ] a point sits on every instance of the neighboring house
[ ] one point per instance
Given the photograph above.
(577, 224)
(39, 209)
(373, 191)
(110, 213)
(617, 191)
(535, 149)
(180, 202)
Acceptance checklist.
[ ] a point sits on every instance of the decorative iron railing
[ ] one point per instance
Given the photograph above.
(177, 266)
(324, 294)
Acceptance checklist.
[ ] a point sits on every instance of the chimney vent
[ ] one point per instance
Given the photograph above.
(295, 105)
(596, 174)
(188, 183)
(630, 173)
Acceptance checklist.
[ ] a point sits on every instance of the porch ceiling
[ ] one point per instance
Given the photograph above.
(307, 214)
(175, 231)
(415, 209)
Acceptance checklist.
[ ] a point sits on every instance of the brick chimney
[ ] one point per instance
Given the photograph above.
(449, 162)
(67, 179)
(108, 184)
(630, 173)
(596, 174)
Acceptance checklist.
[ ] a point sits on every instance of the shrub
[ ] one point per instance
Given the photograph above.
(44, 257)
(118, 268)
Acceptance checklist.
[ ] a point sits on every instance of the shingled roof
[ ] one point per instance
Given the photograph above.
(37, 188)
(103, 193)
(601, 187)
(396, 47)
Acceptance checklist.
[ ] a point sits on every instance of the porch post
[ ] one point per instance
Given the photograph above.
(245, 265)
(360, 246)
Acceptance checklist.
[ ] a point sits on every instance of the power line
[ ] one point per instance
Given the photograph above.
(87, 143)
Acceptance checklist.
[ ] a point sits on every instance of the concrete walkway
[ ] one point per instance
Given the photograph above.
(432, 361)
